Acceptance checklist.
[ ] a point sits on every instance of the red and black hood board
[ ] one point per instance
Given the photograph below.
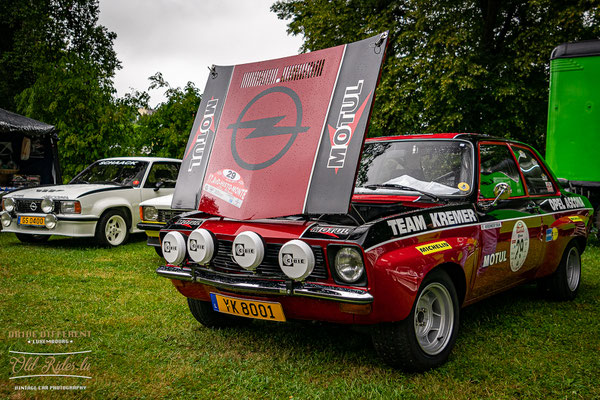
(281, 137)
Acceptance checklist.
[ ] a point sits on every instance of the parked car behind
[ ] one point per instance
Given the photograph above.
(101, 202)
(154, 215)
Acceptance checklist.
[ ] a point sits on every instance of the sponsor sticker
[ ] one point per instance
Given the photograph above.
(494, 258)
(464, 187)
(491, 225)
(551, 234)
(434, 247)
(519, 245)
(576, 219)
(569, 203)
(227, 185)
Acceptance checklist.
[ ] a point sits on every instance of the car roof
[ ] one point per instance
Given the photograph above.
(471, 137)
(151, 159)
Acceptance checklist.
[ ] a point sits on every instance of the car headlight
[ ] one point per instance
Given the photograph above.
(50, 221)
(47, 205)
(150, 213)
(349, 265)
(9, 204)
(70, 207)
(5, 218)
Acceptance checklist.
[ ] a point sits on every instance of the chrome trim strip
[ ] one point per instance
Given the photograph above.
(243, 285)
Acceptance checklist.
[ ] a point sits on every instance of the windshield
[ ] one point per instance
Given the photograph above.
(118, 172)
(437, 167)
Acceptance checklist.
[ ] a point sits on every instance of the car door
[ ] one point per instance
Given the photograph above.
(510, 235)
(160, 180)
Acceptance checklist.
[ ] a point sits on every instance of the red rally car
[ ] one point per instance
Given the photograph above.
(437, 222)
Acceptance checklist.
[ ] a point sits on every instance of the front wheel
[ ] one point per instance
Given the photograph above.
(28, 238)
(564, 282)
(112, 229)
(425, 338)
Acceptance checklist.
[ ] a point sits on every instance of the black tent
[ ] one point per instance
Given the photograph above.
(28, 152)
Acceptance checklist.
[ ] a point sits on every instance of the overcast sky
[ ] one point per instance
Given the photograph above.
(182, 38)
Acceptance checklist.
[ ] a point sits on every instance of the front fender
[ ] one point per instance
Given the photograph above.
(101, 205)
(401, 266)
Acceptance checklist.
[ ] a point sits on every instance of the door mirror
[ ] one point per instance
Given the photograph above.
(158, 185)
(502, 191)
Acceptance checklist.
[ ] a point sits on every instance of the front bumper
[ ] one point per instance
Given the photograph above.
(264, 287)
(74, 226)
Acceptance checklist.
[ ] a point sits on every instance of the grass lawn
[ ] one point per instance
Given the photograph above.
(145, 344)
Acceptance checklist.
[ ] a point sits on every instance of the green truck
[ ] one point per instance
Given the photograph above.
(573, 136)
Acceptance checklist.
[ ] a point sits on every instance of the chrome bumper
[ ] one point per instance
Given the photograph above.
(243, 285)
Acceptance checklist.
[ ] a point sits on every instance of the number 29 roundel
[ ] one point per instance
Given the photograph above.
(281, 137)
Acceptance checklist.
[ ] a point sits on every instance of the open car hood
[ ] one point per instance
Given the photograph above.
(281, 137)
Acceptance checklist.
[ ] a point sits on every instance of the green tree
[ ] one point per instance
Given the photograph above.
(454, 66)
(164, 132)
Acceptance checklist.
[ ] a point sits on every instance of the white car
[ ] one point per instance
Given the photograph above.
(101, 202)
(155, 213)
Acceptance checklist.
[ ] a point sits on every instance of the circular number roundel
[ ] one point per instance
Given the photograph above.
(248, 250)
(519, 245)
(296, 259)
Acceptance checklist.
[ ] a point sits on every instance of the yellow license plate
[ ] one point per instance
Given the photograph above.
(247, 308)
(38, 221)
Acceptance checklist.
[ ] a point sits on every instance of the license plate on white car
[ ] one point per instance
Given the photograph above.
(35, 221)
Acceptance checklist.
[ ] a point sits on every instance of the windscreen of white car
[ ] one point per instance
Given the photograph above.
(117, 172)
(432, 167)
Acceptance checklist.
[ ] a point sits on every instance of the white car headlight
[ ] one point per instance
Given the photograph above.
(349, 265)
(9, 204)
(50, 221)
(248, 250)
(173, 247)
(201, 246)
(5, 218)
(70, 207)
(150, 213)
(47, 205)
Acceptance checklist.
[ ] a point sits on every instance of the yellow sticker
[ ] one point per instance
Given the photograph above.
(464, 186)
(554, 233)
(576, 219)
(434, 247)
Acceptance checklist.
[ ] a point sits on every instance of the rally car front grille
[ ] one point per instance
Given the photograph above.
(165, 215)
(269, 268)
(25, 206)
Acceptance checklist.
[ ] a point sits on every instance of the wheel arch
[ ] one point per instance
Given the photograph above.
(124, 209)
(458, 277)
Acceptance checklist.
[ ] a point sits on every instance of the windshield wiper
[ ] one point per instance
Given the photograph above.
(402, 187)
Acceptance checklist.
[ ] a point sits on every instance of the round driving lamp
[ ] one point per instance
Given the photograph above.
(296, 259)
(47, 205)
(50, 221)
(9, 204)
(349, 265)
(248, 250)
(5, 218)
(173, 247)
(150, 213)
(201, 246)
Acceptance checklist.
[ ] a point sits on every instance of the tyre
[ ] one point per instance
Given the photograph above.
(426, 337)
(564, 282)
(158, 250)
(28, 238)
(204, 313)
(112, 229)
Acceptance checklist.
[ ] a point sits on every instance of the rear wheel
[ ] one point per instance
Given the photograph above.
(425, 338)
(28, 238)
(564, 282)
(112, 229)
(204, 313)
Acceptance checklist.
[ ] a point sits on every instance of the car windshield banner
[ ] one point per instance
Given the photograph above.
(281, 137)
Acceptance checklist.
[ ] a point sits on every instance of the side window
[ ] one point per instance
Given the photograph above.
(498, 165)
(164, 172)
(536, 178)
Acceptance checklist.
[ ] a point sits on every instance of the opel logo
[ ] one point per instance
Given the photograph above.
(33, 206)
